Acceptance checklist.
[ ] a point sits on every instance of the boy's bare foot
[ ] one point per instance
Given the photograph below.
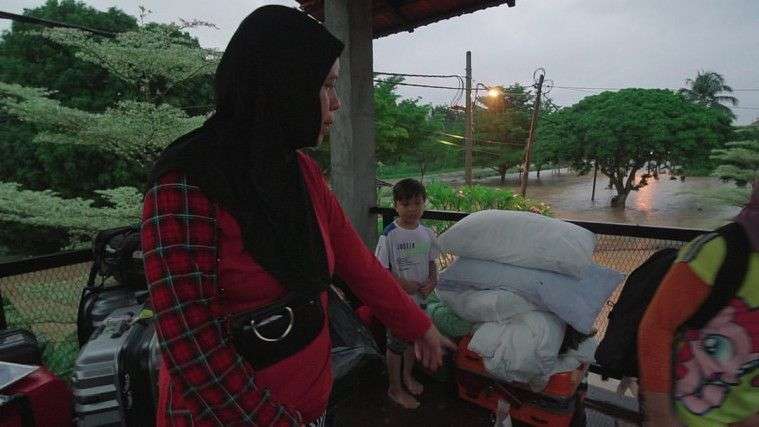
(402, 398)
(413, 386)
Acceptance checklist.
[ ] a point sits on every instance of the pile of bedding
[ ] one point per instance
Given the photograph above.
(525, 281)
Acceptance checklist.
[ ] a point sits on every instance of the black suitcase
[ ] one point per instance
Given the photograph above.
(19, 346)
(136, 384)
(97, 303)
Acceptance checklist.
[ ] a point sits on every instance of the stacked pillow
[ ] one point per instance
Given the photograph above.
(511, 265)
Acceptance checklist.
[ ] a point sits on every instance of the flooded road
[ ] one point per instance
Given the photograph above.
(662, 202)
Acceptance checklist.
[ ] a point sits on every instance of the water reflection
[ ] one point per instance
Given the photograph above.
(662, 202)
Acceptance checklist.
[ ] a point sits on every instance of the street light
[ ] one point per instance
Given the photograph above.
(493, 92)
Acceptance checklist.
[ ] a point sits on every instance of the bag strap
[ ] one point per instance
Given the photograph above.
(729, 277)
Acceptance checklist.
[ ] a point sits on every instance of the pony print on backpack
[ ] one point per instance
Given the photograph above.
(711, 361)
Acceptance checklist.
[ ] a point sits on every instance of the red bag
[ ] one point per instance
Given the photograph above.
(39, 396)
(559, 404)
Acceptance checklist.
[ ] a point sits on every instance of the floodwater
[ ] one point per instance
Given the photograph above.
(662, 202)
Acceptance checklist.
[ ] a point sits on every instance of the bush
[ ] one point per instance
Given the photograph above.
(467, 199)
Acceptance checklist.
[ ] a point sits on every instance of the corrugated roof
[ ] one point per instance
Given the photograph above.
(394, 16)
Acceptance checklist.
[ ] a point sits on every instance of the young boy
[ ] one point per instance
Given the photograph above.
(408, 249)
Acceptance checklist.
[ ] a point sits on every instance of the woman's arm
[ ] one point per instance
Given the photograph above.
(179, 250)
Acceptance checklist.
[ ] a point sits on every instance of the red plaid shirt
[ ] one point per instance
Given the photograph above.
(204, 380)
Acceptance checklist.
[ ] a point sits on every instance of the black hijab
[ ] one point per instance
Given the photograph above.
(244, 157)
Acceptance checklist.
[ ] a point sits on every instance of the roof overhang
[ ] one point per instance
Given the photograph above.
(395, 16)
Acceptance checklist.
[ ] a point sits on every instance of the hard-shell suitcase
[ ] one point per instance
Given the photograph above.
(97, 303)
(559, 404)
(137, 373)
(19, 346)
(95, 378)
(39, 399)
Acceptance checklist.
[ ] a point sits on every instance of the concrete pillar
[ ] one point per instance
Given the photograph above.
(353, 171)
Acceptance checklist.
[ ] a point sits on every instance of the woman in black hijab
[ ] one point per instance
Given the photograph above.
(241, 236)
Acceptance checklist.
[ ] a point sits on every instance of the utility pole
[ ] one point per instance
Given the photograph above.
(469, 120)
(531, 137)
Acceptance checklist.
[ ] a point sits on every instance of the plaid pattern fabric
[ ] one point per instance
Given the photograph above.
(210, 383)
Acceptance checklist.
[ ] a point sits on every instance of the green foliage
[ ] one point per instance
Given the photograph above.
(153, 59)
(406, 129)
(135, 131)
(474, 198)
(80, 150)
(625, 130)
(502, 126)
(738, 162)
(69, 156)
(78, 217)
(28, 59)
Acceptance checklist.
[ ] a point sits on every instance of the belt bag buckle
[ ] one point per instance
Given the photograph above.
(254, 325)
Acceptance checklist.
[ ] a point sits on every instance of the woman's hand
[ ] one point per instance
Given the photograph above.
(429, 348)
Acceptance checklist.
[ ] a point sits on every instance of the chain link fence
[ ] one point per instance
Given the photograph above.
(45, 300)
(624, 254)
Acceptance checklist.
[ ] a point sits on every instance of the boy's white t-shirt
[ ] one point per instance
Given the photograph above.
(408, 253)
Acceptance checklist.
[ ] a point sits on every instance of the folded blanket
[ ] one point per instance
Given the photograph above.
(525, 349)
(484, 305)
(445, 319)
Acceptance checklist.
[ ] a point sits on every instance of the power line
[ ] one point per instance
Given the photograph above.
(421, 85)
(620, 88)
(52, 24)
(447, 76)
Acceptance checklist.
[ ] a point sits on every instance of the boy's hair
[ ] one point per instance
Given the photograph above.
(408, 188)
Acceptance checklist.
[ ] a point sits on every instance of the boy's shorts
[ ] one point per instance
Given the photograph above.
(395, 344)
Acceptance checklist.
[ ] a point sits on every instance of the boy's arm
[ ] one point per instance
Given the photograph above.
(410, 286)
(429, 284)
(432, 277)
(433, 273)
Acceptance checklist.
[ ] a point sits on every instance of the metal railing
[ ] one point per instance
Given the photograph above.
(42, 293)
(622, 247)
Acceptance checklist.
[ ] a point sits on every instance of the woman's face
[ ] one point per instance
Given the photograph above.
(329, 100)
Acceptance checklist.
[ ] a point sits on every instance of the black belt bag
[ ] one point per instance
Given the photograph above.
(277, 331)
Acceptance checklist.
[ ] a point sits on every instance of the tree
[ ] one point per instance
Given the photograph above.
(405, 128)
(624, 130)
(502, 125)
(153, 60)
(28, 57)
(705, 90)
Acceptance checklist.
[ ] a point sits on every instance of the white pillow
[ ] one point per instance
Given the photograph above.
(576, 301)
(523, 239)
